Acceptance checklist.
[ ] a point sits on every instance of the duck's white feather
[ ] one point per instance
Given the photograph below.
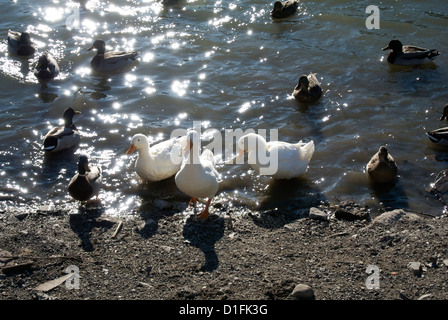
(198, 177)
(290, 160)
(160, 161)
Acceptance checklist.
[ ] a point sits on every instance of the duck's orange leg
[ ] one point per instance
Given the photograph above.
(205, 213)
(192, 201)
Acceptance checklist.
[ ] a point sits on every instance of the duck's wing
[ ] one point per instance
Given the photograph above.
(59, 132)
(438, 135)
(413, 52)
(113, 57)
(168, 152)
(95, 175)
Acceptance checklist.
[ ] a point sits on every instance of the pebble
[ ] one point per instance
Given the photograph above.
(416, 268)
(302, 291)
(317, 214)
(161, 204)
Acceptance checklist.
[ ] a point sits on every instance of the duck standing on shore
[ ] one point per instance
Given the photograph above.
(197, 176)
(110, 61)
(87, 182)
(19, 43)
(284, 9)
(408, 55)
(382, 167)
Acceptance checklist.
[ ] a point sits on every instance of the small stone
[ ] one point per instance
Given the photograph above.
(302, 291)
(161, 204)
(445, 262)
(416, 268)
(425, 296)
(350, 211)
(46, 207)
(167, 249)
(317, 214)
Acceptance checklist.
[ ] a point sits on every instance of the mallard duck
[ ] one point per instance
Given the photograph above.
(63, 137)
(439, 136)
(87, 182)
(47, 67)
(287, 160)
(284, 9)
(308, 89)
(408, 55)
(445, 113)
(382, 167)
(20, 43)
(158, 162)
(111, 61)
(197, 176)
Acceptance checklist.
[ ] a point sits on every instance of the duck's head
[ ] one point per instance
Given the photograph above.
(278, 5)
(247, 142)
(100, 45)
(138, 142)
(303, 82)
(25, 38)
(43, 62)
(445, 112)
(383, 153)
(394, 45)
(83, 164)
(69, 113)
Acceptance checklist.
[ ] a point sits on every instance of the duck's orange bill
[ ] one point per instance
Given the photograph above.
(131, 149)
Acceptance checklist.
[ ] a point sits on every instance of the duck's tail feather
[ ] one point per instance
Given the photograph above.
(433, 53)
(308, 149)
(50, 143)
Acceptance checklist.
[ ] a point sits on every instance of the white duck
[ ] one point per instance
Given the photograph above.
(159, 161)
(286, 160)
(197, 176)
(63, 137)
(87, 182)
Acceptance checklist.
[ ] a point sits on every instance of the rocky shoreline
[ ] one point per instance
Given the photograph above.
(333, 252)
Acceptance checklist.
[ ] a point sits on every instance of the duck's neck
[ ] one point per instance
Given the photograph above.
(144, 152)
(193, 157)
(257, 147)
(101, 51)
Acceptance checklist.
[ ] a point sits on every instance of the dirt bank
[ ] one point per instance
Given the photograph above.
(236, 254)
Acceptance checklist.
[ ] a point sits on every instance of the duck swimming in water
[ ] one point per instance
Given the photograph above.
(382, 167)
(290, 160)
(47, 68)
(284, 9)
(63, 137)
(111, 61)
(408, 55)
(158, 162)
(19, 43)
(308, 89)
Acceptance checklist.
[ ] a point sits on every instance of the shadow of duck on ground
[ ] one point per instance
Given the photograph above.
(203, 234)
(86, 221)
